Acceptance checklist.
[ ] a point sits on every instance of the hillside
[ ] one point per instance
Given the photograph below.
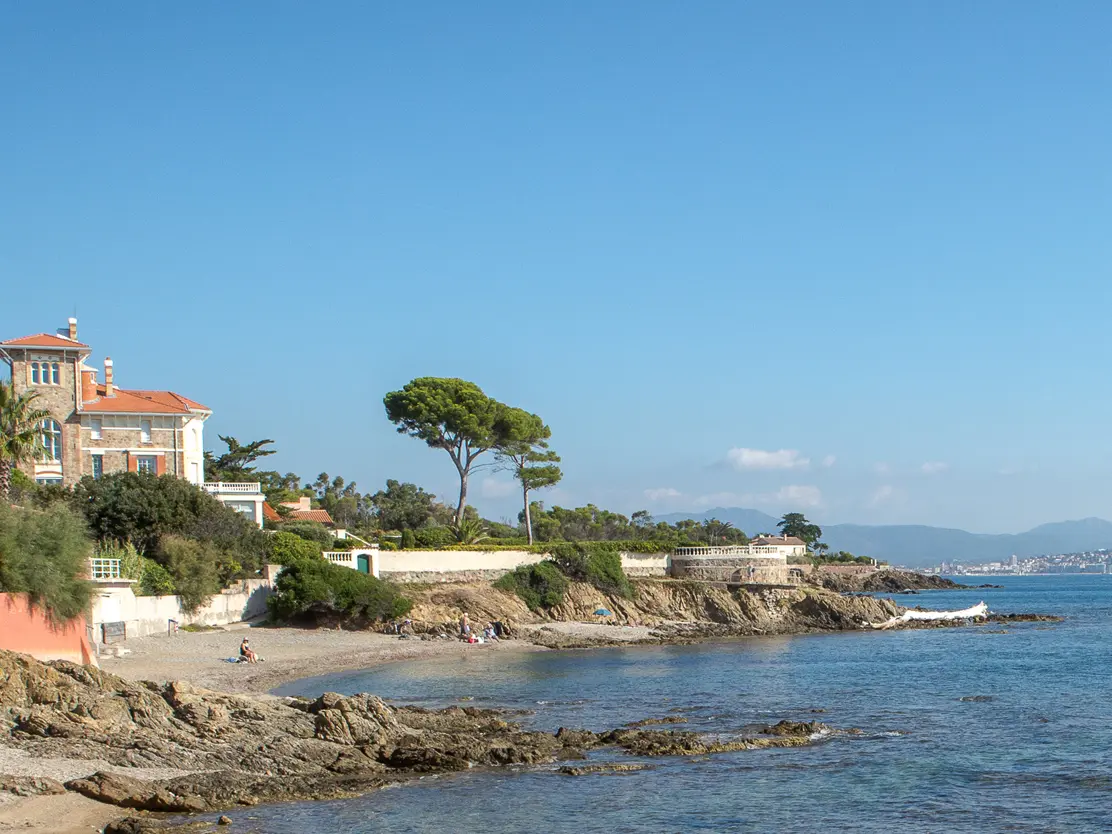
(920, 546)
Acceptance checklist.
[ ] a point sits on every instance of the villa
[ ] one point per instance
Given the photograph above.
(96, 428)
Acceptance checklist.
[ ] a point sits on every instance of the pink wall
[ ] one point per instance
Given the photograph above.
(25, 629)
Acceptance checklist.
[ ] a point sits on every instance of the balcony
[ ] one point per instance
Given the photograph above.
(229, 488)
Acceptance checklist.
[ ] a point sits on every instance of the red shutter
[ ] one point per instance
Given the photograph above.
(132, 463)
(160, 465)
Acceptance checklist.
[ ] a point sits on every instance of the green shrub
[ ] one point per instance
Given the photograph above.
(195, 567)
(44, 554)
(154, 580)
(434, 537)
(317, 589)
(598, 563)
(145, 509)
(540, 586)
(386, 544)
(286, 548)
(311, 531)
(343, 544)
(409, 540)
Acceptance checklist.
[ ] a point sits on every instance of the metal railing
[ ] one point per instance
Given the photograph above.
(101, 570)
(235, 487)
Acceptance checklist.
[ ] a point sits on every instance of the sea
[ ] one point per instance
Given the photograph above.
(973, 729)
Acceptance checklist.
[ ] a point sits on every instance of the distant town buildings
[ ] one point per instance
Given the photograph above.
(1092, 561)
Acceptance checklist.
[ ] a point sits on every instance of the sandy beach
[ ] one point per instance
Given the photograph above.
(288, 654)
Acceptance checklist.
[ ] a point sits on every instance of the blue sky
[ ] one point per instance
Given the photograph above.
(850, 258)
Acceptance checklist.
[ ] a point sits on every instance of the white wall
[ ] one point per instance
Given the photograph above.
(193, 448)
(116, 602)
(473, 565)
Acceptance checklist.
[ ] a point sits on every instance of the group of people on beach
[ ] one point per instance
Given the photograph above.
(491, 632)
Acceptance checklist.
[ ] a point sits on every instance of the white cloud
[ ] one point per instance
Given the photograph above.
(880, 468)
(741, 458)
(933, 467)
(803, 496)
(829, 461)
(882, 495)
(493, 488)
(794, 495)
(662, 494)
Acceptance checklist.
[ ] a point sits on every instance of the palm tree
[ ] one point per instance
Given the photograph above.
(469, 531)
(20, 432)
(717, 529)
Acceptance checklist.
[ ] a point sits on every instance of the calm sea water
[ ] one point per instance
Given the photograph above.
(1034, 758)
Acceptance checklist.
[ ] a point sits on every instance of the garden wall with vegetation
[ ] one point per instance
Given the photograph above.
(474, 565)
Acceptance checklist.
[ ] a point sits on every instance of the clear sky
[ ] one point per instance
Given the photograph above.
(850, 258)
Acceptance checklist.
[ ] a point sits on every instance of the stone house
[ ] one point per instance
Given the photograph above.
(96, 428)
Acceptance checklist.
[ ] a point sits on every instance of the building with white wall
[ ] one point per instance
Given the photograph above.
(97, 428)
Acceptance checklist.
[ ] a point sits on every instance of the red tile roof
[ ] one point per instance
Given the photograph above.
(311, 515)
(141, 402)
(43, 340)
(269, 513)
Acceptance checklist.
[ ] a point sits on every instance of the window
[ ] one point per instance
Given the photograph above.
(49, 480)
(35, 378)
(98, 467)
(53, 373)
(51, 440)
(144, 431)
(96, 428)
(146, 463)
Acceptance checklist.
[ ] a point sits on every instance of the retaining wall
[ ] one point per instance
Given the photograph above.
(487, 565)
(734, 569)
(116, 602)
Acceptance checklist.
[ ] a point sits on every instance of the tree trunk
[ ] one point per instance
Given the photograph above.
(462, 495)
(5, 479)
(528, 520)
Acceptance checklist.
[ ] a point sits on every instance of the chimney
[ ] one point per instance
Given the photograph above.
(73, 329)
(88, 385)
(109, 388)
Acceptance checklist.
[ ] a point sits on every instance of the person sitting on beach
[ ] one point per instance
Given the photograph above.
(488, 632)
(246, 655)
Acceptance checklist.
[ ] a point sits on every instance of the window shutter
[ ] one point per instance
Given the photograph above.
(132, 463)
(160, 465)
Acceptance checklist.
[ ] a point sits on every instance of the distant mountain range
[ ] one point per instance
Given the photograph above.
(919, 546)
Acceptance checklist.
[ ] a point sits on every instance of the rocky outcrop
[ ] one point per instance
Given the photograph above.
(246, 750)
(678, 609)
(883, 582)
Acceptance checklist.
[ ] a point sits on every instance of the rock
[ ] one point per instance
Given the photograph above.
(134, 793)
(647, 722)
(977, 699)
(794, 728)
(587, 770)
(30, 785)
(224, 820)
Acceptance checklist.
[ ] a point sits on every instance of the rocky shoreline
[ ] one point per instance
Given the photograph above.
(238, 751)
(77, 733)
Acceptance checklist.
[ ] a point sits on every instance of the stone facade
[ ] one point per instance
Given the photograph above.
(744, 570)
(103, 429)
